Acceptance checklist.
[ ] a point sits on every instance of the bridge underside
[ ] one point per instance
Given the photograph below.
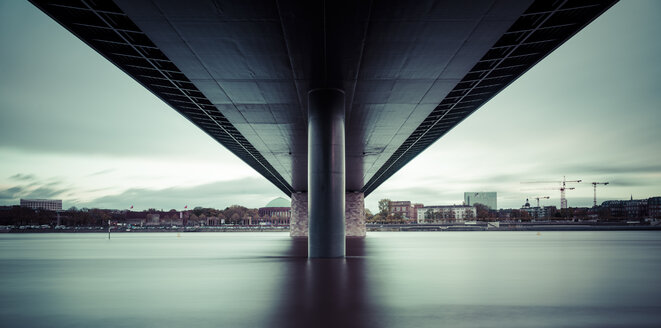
(409, 71)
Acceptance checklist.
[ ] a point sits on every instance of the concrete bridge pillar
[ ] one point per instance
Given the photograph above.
(326, 173)
(326, 214)
(354, 215)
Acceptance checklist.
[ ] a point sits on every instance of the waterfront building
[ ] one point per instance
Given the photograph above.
(42, 204)
(636, 208)
(633, 208)
(614, 207)
(547, 211)
(277, 211)
(654, 207)
(487, 198)
(159, 218)
(414, 211)
(401, 208)
(445, 213)
(538, 212)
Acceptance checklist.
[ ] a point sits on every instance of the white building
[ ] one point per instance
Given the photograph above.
(538, 212)
(42, 204)
(440, 214)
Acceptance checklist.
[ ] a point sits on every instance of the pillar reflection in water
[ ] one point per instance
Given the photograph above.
(326, 292)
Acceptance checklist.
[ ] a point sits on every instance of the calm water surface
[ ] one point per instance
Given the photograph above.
(399, 279)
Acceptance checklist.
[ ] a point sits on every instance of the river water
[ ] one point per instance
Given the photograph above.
(390, 279)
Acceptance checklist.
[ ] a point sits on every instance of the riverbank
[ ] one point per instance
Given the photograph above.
(39, 229)
(473, 226)
(514, 227)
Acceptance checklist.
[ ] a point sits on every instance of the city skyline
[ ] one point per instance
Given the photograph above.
(588, 111)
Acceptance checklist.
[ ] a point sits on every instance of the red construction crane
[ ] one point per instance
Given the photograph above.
(563, 200)
(563, 187)
(594, 184)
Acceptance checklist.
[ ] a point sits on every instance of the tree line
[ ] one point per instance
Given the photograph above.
(23, 216)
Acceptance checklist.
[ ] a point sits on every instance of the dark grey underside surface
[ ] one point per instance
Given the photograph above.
(241, 70)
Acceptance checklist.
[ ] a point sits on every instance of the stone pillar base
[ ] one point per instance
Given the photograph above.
(298, 222)
(354, 215)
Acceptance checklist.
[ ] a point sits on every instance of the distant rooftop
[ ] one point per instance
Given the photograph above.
(279, 202)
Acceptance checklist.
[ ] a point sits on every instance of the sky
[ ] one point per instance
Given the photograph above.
(74, 127)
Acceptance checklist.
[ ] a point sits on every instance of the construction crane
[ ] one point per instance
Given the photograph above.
(563, 188)
(541, 197)
(594, 184)
(563, 199)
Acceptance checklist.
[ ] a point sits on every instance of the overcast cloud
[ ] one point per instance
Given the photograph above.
(249, 192)
(75, 127)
